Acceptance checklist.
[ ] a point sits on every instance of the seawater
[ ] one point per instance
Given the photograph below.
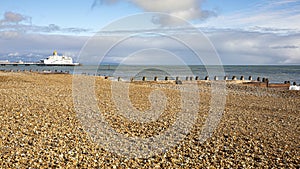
(275, 73)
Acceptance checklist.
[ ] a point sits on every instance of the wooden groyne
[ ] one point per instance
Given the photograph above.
(259, 81)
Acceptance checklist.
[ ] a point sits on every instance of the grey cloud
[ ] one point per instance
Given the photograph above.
(273, 30)
(101, 2)
(14, 23)
(53, 28)
(13, 17)
(285, 47)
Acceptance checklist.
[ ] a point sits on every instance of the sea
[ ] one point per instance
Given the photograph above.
(275, 73)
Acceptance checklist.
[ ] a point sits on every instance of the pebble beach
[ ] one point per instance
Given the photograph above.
(39, 127)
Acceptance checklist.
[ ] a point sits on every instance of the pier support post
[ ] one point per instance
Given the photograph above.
(225, 77)
(234, 78)
(242, 78)
(156, 78)
(216, 78)
(191, 78)
(131, 79)
(206, 78)
(144, 78)
(250, 78)
(119, 79)
(166, 78)
(197, 78)
(177, 78)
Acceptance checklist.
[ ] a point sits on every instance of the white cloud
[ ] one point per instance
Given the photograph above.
(186, 9)
(13, 54)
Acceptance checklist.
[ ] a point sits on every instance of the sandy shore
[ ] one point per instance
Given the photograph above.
(260, 127)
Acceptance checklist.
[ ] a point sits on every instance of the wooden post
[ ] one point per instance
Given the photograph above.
(191, 78)
(234, 78)
(156, 78)
(144, 78)
(166, 78)
(197, 78)
(258, 79)
(242, 78)
(216, 78)
(177, 78)
(132, 79)
(119, 79)
(250, 78)
(178, 82)
(187, 78)
(225, 77)
(206, 78)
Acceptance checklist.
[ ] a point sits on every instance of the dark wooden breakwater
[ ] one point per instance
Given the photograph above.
(259, 82)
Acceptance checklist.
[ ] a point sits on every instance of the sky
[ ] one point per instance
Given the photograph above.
(127, 31)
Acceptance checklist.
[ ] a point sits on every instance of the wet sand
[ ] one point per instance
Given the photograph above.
(260, 127)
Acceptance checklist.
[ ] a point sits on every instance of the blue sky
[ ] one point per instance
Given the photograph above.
(242, 32)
